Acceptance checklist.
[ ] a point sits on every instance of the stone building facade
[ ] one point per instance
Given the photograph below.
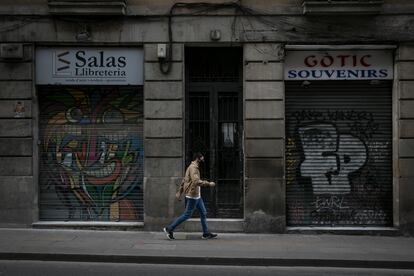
(304, 110)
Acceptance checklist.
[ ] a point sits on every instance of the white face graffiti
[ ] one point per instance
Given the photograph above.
(330, 157)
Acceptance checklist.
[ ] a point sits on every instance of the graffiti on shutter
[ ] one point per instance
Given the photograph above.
(339, 154)
(91, 154)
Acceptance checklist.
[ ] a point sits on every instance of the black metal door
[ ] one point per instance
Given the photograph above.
(214, 127)
(214, 124)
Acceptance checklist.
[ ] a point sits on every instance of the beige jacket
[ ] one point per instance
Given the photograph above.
(191, 182)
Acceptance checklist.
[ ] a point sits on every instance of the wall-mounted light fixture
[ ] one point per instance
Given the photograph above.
(215, 35)
(162, 51)
(305, 84)
(83, 34)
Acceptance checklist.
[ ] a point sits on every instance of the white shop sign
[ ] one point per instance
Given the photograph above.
(339, 65)
(89, 66)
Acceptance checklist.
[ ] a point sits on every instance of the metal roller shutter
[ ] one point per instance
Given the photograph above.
(91, 154)
(339, 153)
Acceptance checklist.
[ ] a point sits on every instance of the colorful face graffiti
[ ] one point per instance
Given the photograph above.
(92, 153)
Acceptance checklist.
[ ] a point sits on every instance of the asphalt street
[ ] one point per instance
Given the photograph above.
(41, 268)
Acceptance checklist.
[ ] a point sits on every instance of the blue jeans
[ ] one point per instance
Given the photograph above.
(190, 204)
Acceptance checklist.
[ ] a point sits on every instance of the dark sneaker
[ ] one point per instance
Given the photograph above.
(170, 234)
(209, 236)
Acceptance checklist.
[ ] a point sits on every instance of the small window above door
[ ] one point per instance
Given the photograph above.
(212, 64)
(341, 7)
(88, 7)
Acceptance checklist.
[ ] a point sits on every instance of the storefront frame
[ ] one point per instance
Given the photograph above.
(36, 143)
(395, 131)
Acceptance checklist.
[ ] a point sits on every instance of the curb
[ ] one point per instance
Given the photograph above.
(222, 261)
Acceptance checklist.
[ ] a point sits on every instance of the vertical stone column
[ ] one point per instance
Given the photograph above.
(17, 191)
(264, 138)
(405, 106)
(163, 136)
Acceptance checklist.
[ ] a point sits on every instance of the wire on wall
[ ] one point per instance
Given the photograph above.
(203, 7)
(198, 9)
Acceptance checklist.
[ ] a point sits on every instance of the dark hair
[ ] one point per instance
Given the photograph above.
(197, 155)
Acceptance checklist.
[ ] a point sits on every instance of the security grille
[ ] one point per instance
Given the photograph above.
(339, 153)
(214, 125)
(91, 154)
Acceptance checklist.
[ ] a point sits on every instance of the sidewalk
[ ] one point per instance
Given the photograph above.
(188, 248)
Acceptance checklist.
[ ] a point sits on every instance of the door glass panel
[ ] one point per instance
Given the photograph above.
(229, 199)
(227, 131)
(199, 131)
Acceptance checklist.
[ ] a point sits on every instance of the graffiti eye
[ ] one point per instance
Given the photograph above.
(113, 116)
(73, 115)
